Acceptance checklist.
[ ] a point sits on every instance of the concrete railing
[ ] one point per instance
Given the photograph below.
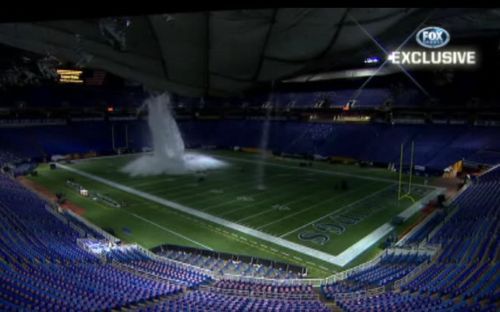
(408, 277)
(436, 250)
(361, 293)
(175, 262)
(260, 294)
(147, 273)
(427, 219)
(316, 282)
(90, 225)
(430, 250)
(344, 274)
(82, 245)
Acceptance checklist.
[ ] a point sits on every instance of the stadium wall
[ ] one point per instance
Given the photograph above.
(436, 146)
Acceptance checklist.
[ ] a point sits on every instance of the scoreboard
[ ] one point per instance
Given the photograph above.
(78, 76)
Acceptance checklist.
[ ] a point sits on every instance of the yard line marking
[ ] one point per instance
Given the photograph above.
(277, 195)
(202, 215)
(192, 178)
(224, 203)
(220, 182)
(308, 208)
(340, 210)
(344, 174)
(156, 181)
(242, 185)
(287, 203)
(170, 231)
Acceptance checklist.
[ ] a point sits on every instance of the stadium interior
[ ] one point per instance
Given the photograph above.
(250, 160)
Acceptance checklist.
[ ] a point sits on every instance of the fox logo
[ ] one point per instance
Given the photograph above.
(433, 37)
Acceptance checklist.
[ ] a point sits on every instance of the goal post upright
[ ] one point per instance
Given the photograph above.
(116, 133)
(400, 171)
(411, 165)
(113, 136)
(407, 194)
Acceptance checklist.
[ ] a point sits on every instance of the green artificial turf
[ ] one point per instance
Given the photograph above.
(297, 204)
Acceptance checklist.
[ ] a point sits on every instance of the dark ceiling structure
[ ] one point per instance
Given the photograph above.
(222, 53)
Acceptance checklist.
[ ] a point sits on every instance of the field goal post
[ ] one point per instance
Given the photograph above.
(119, 149)
(400, 182)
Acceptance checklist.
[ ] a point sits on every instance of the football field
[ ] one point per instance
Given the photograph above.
(321, 216)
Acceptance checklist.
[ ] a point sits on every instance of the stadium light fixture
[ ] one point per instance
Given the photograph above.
(372, 60)
(358, 92)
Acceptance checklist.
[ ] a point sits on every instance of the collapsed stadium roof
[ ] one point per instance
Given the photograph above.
(226, 52)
